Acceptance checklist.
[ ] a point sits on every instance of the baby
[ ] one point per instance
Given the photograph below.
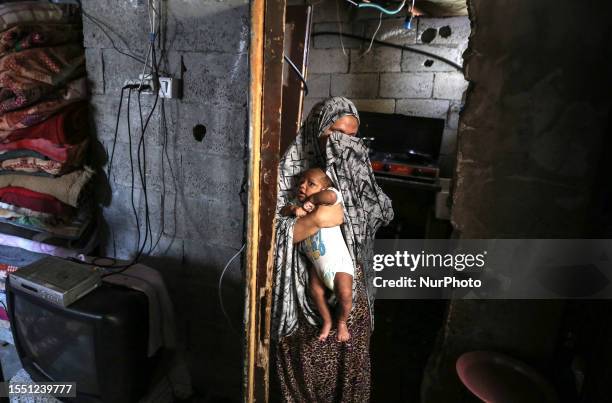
(331, 263)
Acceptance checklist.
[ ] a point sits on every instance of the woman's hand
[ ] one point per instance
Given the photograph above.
(292, 210)
(308, 206)
(322, 217)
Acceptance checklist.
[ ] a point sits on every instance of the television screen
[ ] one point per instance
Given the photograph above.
(57, 344)
(100, 342)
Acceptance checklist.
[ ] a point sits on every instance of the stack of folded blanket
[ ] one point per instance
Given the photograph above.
(44, 133)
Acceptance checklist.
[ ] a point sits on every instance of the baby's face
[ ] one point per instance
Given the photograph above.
(310, 183)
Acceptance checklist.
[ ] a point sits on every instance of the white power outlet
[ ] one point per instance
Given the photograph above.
(169, 87)
(148, 84)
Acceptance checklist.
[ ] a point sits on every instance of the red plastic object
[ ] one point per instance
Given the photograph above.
(497, 378)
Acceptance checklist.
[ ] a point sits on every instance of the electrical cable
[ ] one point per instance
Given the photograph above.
(110, 164)
(374, 36)
(164, 128)
(99, 24)
(340, 25)
(378, 7)
(393, 45)
(229, 322)
(299, 74)
(113, 268)
(142, 172)
(132, 185)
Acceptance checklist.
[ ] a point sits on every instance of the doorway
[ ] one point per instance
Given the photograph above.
(338, 64)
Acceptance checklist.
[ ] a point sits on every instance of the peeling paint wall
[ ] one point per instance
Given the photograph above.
(529, 152)
(196, 186)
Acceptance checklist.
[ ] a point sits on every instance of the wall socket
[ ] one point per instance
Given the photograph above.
(167, 87)
(149, 86)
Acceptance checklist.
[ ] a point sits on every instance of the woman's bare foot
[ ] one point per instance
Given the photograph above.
(325, 331)
(343, 333)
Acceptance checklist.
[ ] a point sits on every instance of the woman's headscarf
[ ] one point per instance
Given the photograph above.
(347, 163)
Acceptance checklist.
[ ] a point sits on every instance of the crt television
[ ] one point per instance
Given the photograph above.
(100, 342)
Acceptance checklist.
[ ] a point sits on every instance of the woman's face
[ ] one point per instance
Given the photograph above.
(347, 125)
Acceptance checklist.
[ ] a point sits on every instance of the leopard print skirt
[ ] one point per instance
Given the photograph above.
(324, 372)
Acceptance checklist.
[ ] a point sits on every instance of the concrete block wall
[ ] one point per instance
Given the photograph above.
(390, 80)
(195, 189)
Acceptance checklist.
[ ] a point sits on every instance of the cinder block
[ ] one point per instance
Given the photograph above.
(117, 69)
(333, 41)
(126, 22)
(393, 31)
(308, 104)
(318, 85)
(449, 85)
(121, 235)
(375, 105)
(379, 59)
(327, 61)
(355, 85)
(429, 108)
(226, 128)
(412, 61)
(95, 71)
(211, 175)
(326, 11)
(215, 78)
(458, 27)
(193, 26)
(406, 85)
(217, 221)
(121, 172)
(452, 122)
(104, 110)
(206, 26)
(204, 262)
(165, 213)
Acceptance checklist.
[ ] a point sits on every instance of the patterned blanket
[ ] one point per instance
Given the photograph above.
(37, 74)
(37, 12)
(66, 188)
(22, 37)
(31, 115)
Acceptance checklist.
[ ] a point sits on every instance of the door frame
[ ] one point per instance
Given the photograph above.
(265, 101)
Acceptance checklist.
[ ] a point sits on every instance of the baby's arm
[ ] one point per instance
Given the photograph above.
(325, 197)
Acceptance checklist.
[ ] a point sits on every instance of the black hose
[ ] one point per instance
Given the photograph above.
(392, 45)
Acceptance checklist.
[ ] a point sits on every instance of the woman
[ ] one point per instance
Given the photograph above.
(310, 370)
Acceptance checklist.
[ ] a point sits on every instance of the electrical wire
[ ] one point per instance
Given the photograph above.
(379, 8)
(229, 322)
(299, 74)
(164, 128)
(340, 25)
(132, 185)
(110, 164)
(154, 23)
(105, 28)
(393, 45)
(374, 36)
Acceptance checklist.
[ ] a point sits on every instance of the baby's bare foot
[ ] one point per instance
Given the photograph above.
(325, 331)
(343, 333)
